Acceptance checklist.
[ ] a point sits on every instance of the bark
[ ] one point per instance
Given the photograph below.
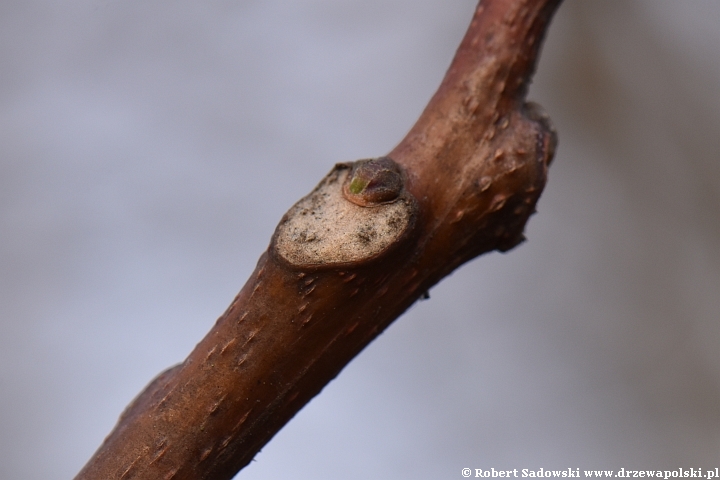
(350, 258)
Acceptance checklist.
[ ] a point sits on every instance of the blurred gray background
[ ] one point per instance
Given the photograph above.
(148, 149)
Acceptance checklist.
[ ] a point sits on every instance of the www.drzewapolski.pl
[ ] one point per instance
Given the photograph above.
(577, 473)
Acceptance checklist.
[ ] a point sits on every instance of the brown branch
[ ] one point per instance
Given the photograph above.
(350, 258)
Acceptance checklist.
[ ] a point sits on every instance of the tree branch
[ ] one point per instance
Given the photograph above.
(350, 258)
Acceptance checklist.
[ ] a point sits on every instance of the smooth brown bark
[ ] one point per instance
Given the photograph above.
(463, 182)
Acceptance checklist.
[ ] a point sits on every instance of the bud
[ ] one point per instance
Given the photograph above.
(373, 182)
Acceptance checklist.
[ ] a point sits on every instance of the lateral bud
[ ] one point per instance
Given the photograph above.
(374, 181)
(536, 113)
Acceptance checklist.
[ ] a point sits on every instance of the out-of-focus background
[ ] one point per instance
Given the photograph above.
(148, 149)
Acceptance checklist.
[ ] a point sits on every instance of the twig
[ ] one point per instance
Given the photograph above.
(350, 258)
